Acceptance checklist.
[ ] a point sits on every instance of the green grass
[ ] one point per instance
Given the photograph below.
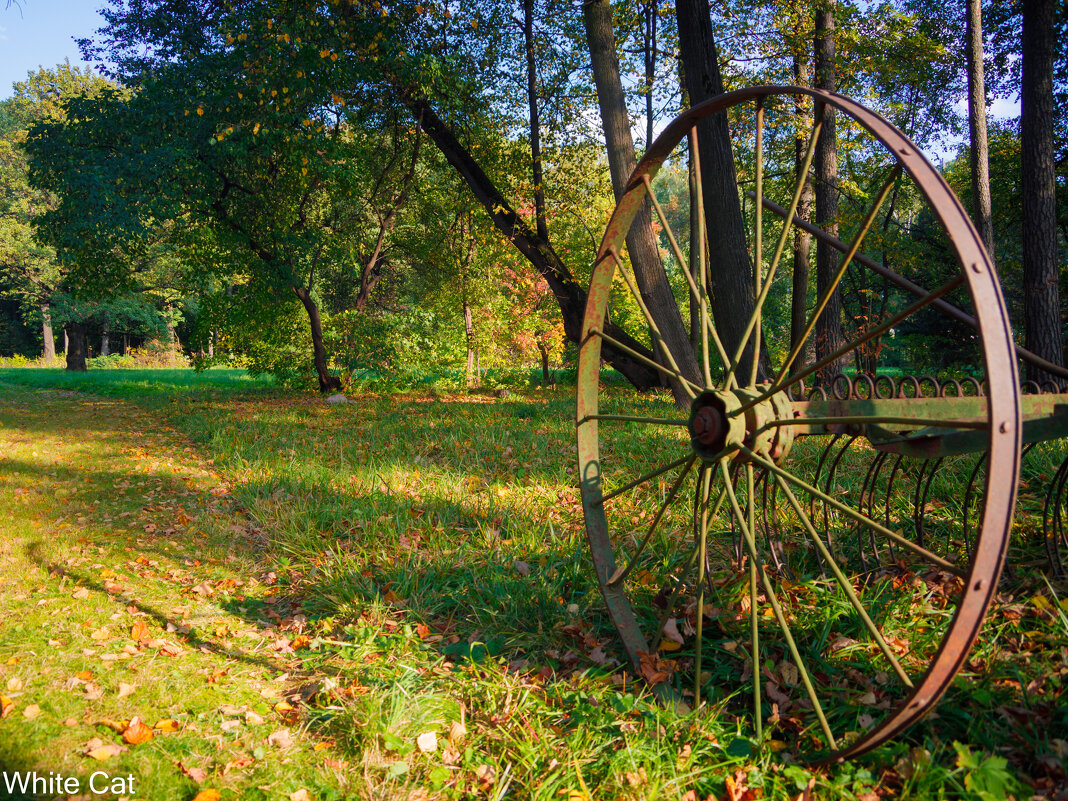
(401, 565)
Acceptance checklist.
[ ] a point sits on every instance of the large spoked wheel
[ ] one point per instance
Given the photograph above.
(751, 549)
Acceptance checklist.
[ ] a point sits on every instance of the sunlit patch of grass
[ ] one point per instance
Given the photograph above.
(433, 550)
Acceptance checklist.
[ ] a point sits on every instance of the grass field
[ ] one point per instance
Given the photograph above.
(212, 584)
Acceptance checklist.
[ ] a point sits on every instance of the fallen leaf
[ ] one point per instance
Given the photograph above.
(139, 632)
(300, 795)
(457, 731)
(105, 752)
(167, 724)
(229, 724)
(486, 777)
(137, 732)
(82, 592)
(6, 706)
(31, 711)
(252, 719)
(207, 795)
(100, 634)
(522, 568)
(280, 739)
(236, 764)
(322, 746)
(671, 631)
(126, 689)
(427, 742)
(117, 726)
(196, 774)
(84, 675)
(14, 684)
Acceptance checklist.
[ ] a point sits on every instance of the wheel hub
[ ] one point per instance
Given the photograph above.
(717, 423)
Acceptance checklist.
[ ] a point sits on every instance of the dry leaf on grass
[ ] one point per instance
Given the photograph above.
(207, 795)
(427, 742)
(14, 684)
(280, 739)
(167, 724)
(126, 689)
(104, 752)
(31, 711)
(137, 732)
(300, 795)
(7, 706)
(457, 731)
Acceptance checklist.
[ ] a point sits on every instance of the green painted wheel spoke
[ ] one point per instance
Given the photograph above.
(769, 592)
(702, 563)
(615, 343)
(653, 328)
(698, 293)
(754, 618)
(780, 386)
(647, 477)
(620, 575)
(758, 234)
(865, 226)
(754, 318)
(920, 551)
(844, 582)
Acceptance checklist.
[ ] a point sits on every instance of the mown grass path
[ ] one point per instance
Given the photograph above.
(216, 587)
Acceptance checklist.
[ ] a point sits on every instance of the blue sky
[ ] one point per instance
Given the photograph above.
(42, 34)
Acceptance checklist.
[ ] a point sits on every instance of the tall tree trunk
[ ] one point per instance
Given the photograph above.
(535, 124)
(105, 342)
(570, 297)
(46, 333)
(66, 340)
(469, 336)
(695, 263)
(802, 238)
(980, 152)
(543, 348)
(649, 271)
(829, 336)
(76, 346)
(733, 297)
(649, 49)
(1042, 322)
(327, 382)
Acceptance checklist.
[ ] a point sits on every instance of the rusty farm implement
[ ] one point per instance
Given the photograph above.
(815, 540)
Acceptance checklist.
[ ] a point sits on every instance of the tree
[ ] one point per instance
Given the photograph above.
(1038, 183)
(980, 152)
(649, 273)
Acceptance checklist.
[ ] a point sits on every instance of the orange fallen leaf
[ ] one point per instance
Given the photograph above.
(84, 675)
(6, 706)
(167, 724)
(139, 632)
(300, 795)
(207, 795)
(32, 711)
(237, 764)
(322, 746)
(125, 689)
(196, 774)
(137, 732)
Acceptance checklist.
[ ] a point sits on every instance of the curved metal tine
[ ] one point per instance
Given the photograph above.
(867, 490)
(1060, 539)
(923, 553)
(968, 503)
(854, 246)
(880, 463)
(926, 495)
(917, 511)
(1052, 522)
(654, 330)
(622, 573)
(702, 262)
(889, 494)
(615, 343)
(754, 613)
(831, 474)
(851, 346)
(771, 522)
(812, 498)
(846, 585)
(788, 221)
(769, 592)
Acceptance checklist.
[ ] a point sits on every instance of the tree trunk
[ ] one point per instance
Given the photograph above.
(1042, 323)
(649, 271)
(46, 332)
(105, 342)
(829, 336)
(569, 295)
(327, 382)
(802, 238)
(544, 350)
(76, 346)
(469, 335)
(66, 340)
(733, 297)
(980, 153)
(535, 125)
(695, 264)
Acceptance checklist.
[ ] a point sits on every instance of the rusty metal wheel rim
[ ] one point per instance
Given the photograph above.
(1003, 419)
